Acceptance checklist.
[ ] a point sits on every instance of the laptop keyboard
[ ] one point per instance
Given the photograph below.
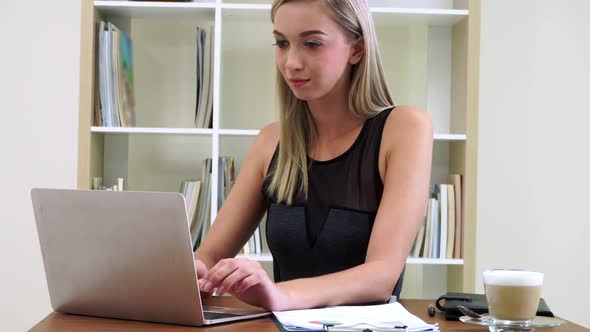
(209, 315)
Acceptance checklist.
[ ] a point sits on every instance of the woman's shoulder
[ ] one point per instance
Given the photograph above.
(266, 143)
(406, 123)
(268, 137)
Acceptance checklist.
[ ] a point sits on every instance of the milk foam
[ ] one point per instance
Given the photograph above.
(512, 278)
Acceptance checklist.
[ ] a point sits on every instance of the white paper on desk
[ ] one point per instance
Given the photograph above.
(376, 315)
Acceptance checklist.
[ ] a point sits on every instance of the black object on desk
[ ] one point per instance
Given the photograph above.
(475, 302)
(431, 310)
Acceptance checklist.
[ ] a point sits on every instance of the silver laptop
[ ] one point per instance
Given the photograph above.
(122, 255)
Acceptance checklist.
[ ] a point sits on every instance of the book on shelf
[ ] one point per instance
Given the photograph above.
(440, 234)
(201, 228)
(415, 252)
(451, 221)
(457, 181)
(191, 190)
(204, 79)
(425, 250)
(442, 193)
(435, 228)
(226, 178)
(115, 103)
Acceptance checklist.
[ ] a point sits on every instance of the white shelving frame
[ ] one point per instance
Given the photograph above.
(193, 10)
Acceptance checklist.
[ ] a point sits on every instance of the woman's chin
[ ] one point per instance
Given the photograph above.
(301, 96)
(305, 95)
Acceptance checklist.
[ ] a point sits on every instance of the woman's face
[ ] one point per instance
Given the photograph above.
(313, 54)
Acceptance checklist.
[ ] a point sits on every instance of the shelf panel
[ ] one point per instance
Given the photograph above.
(157, 10)
(434, 261)
(245, 132)
(238, 132)
(410, 260)
(206, 9)
(222, 132)
(249, 6)
(450, 137)
(149, 130)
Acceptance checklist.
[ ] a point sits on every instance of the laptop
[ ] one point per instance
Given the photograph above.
(124, 255)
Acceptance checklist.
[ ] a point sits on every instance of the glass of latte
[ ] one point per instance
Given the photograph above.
(512, 295)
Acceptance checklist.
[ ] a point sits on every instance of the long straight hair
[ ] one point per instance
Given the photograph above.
(368, 96)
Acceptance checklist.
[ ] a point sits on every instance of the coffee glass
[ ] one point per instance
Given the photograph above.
(512, 295)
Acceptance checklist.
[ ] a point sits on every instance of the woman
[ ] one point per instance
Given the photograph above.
(345, 190)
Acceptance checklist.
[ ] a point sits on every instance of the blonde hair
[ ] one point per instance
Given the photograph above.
(368, 96)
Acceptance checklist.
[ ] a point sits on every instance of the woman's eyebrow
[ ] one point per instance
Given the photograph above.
(303, 34)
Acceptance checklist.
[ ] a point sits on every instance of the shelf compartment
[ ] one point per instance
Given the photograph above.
(157, 10)
(247, 91)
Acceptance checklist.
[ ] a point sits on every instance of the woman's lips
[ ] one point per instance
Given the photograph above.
(298, 83)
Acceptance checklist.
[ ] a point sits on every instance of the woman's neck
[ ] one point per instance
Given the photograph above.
(333, 118)
(331, 113)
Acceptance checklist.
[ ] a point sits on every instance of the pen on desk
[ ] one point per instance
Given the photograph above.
(344, 329)
(335, 328)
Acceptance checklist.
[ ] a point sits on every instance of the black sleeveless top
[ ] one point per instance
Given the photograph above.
(329, 232)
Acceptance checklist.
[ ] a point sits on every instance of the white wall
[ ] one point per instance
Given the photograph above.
(534, 148)
(39, 66)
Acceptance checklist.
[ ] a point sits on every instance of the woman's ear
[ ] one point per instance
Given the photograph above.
(358, 51)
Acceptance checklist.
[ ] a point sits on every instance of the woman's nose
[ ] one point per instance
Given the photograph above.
(293, 60)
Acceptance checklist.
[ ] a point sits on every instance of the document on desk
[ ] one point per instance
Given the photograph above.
(384, 317)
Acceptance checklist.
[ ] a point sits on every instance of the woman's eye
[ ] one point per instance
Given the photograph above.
(313, 44)
(280, 43)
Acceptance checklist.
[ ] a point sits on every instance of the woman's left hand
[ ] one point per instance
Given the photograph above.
(247, 281)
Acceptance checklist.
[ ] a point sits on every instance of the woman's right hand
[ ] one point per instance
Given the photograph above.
(202, 272)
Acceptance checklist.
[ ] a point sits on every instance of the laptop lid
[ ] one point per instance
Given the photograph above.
(118, 254)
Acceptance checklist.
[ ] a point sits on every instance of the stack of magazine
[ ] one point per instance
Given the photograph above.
(115, 102)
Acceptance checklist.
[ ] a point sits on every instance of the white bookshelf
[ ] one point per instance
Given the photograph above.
(424, 52)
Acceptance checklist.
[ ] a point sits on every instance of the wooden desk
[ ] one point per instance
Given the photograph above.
(72, 323)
